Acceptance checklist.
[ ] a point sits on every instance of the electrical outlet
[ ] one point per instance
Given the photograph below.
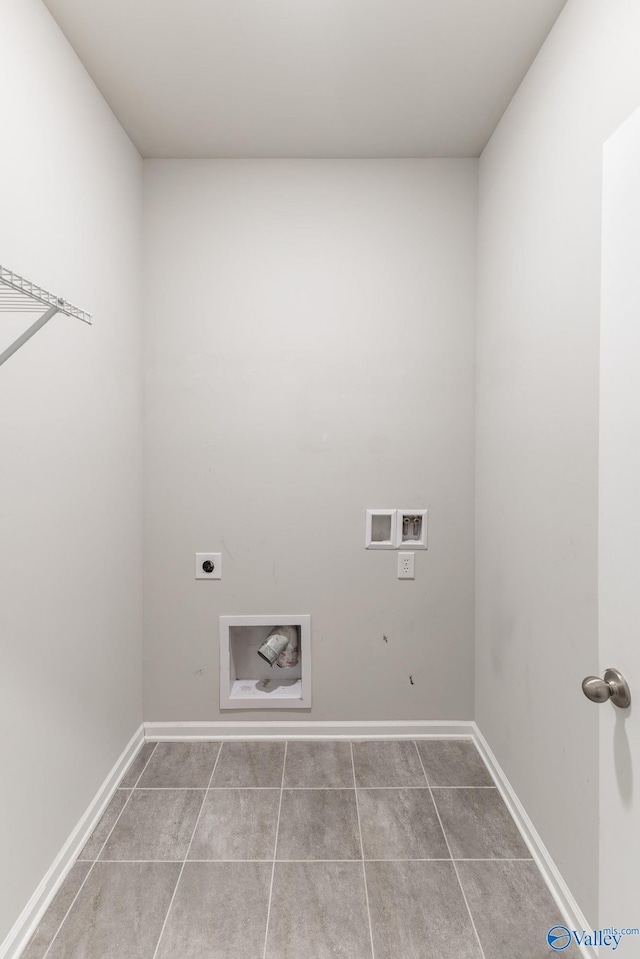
(406, 565)
(208, 565)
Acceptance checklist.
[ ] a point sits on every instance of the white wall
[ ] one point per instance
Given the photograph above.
(70, 556)
(537, 434)
(309, 354)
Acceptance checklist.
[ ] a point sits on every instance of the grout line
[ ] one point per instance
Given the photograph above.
(406, 859)
(144, 769)
(364, 871)
(293, 788)
(174, 789)
(275, 849)
(253, 788)
(186, 855)
(89, 871)
(453, 861)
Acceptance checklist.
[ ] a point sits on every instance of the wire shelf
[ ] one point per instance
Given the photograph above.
(18, 295)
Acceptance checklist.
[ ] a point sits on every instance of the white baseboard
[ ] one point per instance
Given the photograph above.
(349, 729)
(571, 912)
(27, 922)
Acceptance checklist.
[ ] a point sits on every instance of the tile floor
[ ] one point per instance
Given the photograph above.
(267, 850)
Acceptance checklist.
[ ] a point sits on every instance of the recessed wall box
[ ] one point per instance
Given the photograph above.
(381, 529)
(247, 681)
(411, 528)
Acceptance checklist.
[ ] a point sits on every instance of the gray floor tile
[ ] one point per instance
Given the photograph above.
(237, 824)
(119, 912)
(219, 912)
(250, 764)
(319, 764)
(319, 910)
(56, 912)
(106, 824)
(387, 764)
(512, 909)
(132, 775)
(418, 912)
(156, 824)
(181, 766)
(318, 824)
(477, 825)
(453, 762)
(400, 824)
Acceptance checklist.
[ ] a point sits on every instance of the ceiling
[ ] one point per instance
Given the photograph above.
(307, 78)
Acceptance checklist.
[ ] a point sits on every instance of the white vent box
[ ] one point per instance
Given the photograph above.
(247, 681)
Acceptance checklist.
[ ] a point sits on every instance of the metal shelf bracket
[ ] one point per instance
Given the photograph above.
(18, 295)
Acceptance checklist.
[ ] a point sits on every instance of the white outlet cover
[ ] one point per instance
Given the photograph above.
(406, 565)
(215, 558)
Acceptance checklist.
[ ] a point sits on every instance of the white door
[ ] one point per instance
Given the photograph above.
(619, 534)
